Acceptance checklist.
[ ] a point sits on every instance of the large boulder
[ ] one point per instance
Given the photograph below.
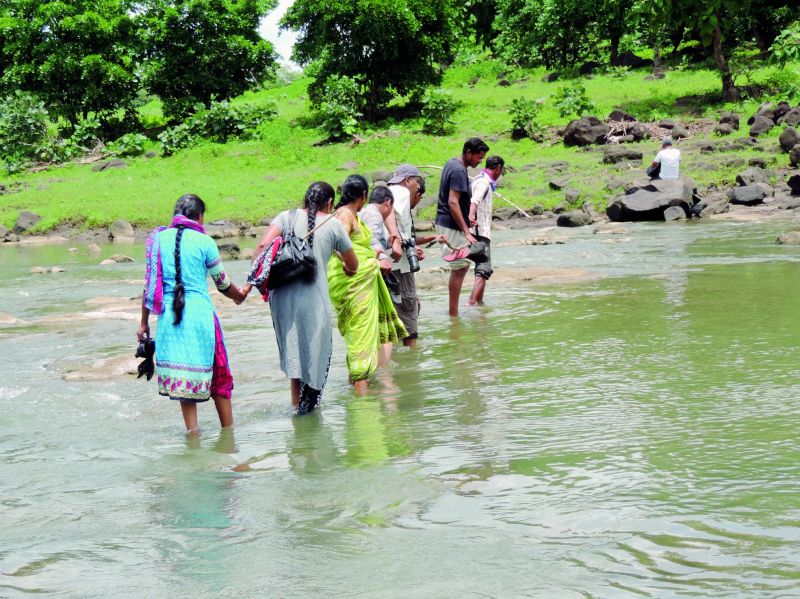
(752, 175)
(789, 138)
(749, 195)
(667, 123)
(615, 154)
(577, 218)
(648, 202)
(25, 221)
(586, 131)
(761, 125)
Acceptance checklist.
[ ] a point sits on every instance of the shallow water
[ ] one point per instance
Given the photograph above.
(631, 434)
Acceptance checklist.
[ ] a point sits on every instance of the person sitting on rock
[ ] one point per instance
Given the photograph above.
(667, 162)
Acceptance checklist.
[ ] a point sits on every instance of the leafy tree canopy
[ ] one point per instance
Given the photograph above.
(393, 47)
(197, 50)
(78, 56)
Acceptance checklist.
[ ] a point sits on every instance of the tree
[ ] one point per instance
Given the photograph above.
(198, 50)
(393, 47)
(555, 33)
(78, 57)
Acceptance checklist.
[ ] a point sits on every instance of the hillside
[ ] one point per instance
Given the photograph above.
(247, 181)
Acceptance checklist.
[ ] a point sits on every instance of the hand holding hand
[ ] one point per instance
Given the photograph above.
(386, 265)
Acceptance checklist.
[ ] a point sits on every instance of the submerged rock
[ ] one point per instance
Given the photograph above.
(229, 251)
(790, 238)
(121, 229)
(120, 258)
(674, 213)
(577, 218)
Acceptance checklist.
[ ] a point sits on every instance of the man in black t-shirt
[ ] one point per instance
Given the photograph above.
(452, 212)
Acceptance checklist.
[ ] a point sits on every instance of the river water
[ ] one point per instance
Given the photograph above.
(631, 433)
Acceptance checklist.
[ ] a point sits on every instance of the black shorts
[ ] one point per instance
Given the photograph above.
(484, 269)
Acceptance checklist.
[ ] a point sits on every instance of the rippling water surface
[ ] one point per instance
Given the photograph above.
(631, 434)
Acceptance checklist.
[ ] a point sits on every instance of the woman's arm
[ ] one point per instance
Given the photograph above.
(233, 292)
(349, 262)
(144, 324)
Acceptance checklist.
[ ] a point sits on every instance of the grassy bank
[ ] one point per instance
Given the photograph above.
(247, 181)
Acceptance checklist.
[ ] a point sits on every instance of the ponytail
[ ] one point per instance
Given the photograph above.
(178, 299)
(316, 196)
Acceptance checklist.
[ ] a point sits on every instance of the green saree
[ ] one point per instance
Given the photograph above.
(365, 313)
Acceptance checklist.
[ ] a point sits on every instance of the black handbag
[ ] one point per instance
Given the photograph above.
(294, 261)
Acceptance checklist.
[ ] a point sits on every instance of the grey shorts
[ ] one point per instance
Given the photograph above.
(484, 269)
(409, 306)
(456, 240)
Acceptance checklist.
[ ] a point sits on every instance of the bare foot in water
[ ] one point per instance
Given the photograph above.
(361, 387)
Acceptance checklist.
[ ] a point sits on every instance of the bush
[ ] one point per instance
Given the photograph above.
(221, 122)
(86, 134)
(23, 130)
(338, 113)
(781, 84)
(224, 121)
(786, 47)
(438, 107)
(176, 138)
(571, 100)
(130, 144)
(524, 121)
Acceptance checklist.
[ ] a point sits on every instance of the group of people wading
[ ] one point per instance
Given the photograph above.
(365, 251)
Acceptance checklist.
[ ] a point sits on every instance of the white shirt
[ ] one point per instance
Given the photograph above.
(670, 159)
(483, 197)
(402, 211)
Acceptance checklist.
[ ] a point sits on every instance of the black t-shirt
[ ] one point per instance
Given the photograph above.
(455, 177)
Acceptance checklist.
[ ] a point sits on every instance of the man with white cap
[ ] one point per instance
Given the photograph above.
(669, 161)
(407, 186)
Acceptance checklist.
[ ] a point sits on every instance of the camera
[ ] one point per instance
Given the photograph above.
(410, 248)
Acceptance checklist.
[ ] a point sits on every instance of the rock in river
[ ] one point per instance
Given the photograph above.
(648, 202)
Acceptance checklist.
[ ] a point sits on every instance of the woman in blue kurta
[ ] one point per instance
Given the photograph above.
(191, 361)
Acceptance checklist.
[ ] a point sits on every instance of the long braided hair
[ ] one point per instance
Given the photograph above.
(317, 196)
(353, 188)
(190, 206)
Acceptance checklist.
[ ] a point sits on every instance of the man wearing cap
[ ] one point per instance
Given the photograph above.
(452, 212)
(669, 159)
(407, 186)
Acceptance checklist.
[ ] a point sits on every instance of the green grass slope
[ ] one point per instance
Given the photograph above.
(247, 181)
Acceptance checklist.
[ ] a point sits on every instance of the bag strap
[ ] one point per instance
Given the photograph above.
(319, 226)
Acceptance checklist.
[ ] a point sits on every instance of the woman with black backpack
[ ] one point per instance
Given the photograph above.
(301, 312)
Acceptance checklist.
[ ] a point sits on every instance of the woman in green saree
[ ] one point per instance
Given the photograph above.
(365, 312)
